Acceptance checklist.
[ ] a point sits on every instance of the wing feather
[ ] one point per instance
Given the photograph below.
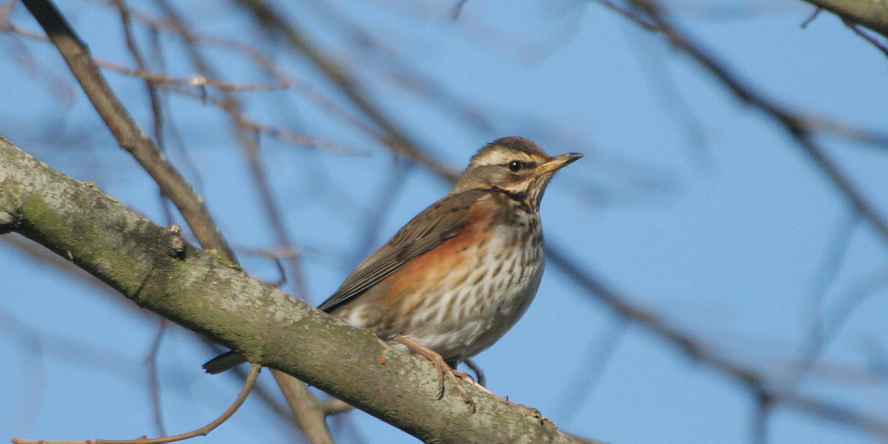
(437, 223)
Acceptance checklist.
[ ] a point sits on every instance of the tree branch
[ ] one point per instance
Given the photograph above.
(133, 255)
(128, 134)
(873, 15)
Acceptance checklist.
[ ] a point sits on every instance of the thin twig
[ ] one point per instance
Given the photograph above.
(155, 78)
(203, 431)
(629, 14)
(264, 62)
(866, 36)
(306, 408)
(393, 138)
(276, 258)
(195, 80)
(824, 277)
(814, 15)
(592, 367)
(179, 85)
(696, 350)
(795, 125)
(154, 380)
(128, 134)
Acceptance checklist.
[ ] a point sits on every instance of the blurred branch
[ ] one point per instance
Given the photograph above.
(310, 412)
(797, 127)
(694, 349)
(128, 134)
(132, 138)
(393, 137)
(789, 118)
(335, 406)
(203, 431)
(191, 39)
(232, 106)
(154, 378)
(394, 68)
(155, 78)
(306, 408)
(88, 354)
(592, 367)
(249, 124)
(153, 97)
(838, 414)
(650, 16)
(221, 302)
(846, 131)
(195, 80)
(31, 380)
(824, 277)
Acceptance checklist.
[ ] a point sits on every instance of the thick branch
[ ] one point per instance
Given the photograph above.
(133, 255)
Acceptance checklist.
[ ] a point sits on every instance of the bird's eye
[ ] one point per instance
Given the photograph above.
(515, 166)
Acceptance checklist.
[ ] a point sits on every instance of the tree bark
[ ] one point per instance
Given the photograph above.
(193, 289)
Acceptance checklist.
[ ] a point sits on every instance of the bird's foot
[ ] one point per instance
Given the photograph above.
(444, 370)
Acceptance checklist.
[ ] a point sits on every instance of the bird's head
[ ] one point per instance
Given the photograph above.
(515, 166)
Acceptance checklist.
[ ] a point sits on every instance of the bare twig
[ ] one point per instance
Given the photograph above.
(841, 415)
(4, 10)
(203, 431)
(799, 130)
(267, 64)
(592, 367)
(392, 137)
(825, 275)
(306, 409)
(869, 14)
(699, 352)
(814, 15)
(195, 80)
(252, 125)
(633, 16)
(128, 134)
(796, 126)
(155, 78)
(866, 36)
(151, 363)
(276, 258)
(267, 396)
(310, 413)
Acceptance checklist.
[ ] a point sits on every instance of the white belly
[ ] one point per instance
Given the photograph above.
(493, 302)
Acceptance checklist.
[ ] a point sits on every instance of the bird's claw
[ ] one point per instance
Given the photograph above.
(443, 368)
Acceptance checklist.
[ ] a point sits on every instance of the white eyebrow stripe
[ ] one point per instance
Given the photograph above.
(501, 158)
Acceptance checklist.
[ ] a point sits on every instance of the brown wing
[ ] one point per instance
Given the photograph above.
(427, 230)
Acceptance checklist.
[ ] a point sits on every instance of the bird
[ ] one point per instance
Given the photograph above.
(461, 273)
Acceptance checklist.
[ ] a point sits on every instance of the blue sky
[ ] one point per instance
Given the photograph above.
(694, 207)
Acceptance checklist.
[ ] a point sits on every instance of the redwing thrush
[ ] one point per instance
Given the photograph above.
(460, 274)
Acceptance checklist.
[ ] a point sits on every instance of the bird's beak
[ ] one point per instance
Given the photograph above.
(558, 162)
